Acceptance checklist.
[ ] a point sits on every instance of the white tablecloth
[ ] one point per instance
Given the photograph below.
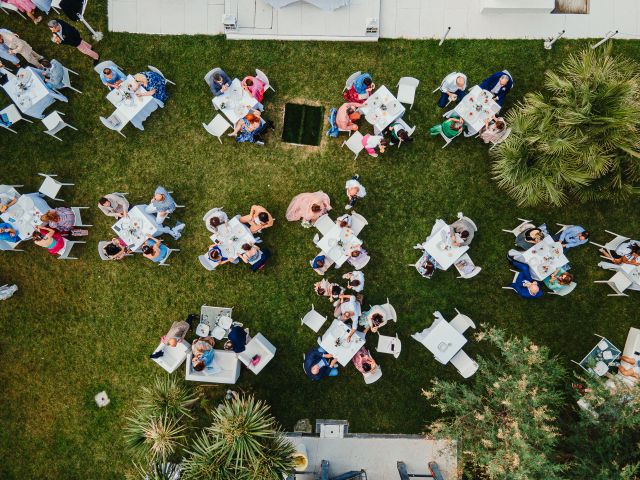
(544, 258)
(329, 244)
(24, 215)
(382, 109)
(440, 248)
(35, 99)
(235, 103)
(476, 107)
(443, 341)
(134, 228)
(345, 351)
(136, 109)
(632, 272)
(231, 236)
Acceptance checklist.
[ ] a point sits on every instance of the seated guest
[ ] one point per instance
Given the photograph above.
(8, 233)
(461, 233)
(356, 280)
(347, 115)
(499, 84)
(348, 309)
(50, 239)
(396, 133)
(452, 88)
(237, 339)
(427, 267)
(363, 361)
(214, 218)
(116, 249)
(572, 236)
(344, 221)
(530, 237)
(627, 252)
(7, 200)
(53, 74)
(355, 190)
(371, 142)
(524, 284)
(321, 264)
(372, 320)
(215, 256)
(319, 364)
(629, 367)
(361, 89)
(154, 250)
(177, 332)
(558, 280)
(114, 205)
(255, 87)
(219, 82)
(154, 84)
(162, 204)
(494, 130)
(450, 127)
(63, 220)
(112, 77)
(249, 128)
(308, 207)
(202, 351)
(258, 219)
(254, 256)
(325, 288)
(358, 257)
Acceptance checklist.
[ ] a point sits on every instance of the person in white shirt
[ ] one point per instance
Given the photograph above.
(356, 280)
(452, 88)
(355, 190)
(371, 142)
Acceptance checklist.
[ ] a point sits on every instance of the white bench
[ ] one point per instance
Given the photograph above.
(225, 359)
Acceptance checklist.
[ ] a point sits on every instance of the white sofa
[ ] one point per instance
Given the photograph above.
(173, 356)
(225, 359)
(257, 346)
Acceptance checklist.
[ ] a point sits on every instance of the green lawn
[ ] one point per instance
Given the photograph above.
(79, 327)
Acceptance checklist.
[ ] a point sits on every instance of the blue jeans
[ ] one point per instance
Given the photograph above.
(444, 98)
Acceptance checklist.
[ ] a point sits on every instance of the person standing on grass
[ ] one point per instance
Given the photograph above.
(65, 34)
(5, 54)
(17, 46)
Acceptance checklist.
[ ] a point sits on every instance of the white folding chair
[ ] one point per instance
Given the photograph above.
(262, 77)
(8, 7)
(390, 312)
(217, 126)
(13, 115)
(313, 320)
(99, 68)
(68, 245)
(66, 79)
(461, 322)
(372, 377)
(324, 224)
(101, 252)
(77, 214)
(448, 140)
(618, 283)
(467, 260)
(515, 277)
(358, 222)
(208, 78)
(354, 143)
(54, 123)
(465, 365)
(156, 70)
(565, 290)
(612, 244)
(407, 90)
(115, 123)
(520, 228)
(206, 263)
(407, 128)
(350, 80)
(51, 187)
(9, 246)
(391, 345)
(468, 220)
(164, 263)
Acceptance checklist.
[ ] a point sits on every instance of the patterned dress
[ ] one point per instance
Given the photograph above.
(157, 82)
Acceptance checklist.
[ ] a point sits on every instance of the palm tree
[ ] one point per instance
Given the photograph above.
(168, 394)
(580, 141)
(154, 437)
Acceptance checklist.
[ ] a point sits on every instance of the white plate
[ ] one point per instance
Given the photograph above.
(218, 333)
(202, 330)
(225, 322)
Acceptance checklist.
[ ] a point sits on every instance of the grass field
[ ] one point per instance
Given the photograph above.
(79, 327)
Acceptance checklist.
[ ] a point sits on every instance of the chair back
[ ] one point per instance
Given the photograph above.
(360, 261)
(620, 282)
(101, 252)
(408, 82)
(354, 143)
(157, 70)
(385, 342)
(53, 122)
(217, 126)
(99, 68)
(12, 113)
(566, 290)
(263, 78)
(324, 224)
(313, 320)
(114, 122)
(465, 365)
(164, 263)
(78, 220)
(461, 323)
(351, 79)
(208, 78)
(372, 377)
(50, 187)
(64, 254)
(204, 261)
(390, 311)
(6, 246)
(358, 222)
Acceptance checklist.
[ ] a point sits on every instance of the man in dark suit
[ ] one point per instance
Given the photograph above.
(65, 34)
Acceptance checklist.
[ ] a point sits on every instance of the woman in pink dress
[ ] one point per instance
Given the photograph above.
(308, 207)
(363, 361)
(25, 6)
(254, 86)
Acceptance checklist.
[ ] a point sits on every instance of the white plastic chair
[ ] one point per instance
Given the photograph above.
(206, 263)
(217, 126)
(262, 77)
(77, 214)
(8, 7)
(468, 220)
(408, 129)
(461, 322)
(164, 263)
(64, 254)
(360, 261)
(99, 68)
(115, 123)
(618, 283)
(520, 228)
(354, 143)
(372, 377)
(208, 78)
(54, 123)
(565, 290)
(448, 140)
(350, 80)
(313, 320)
(502, 138)
(612, 244)
(207, 217)
(391, 345)
(465, 364)
(324, 224)
(9, 246)
(101, 252)
(515, 277)
(51, 187)
(358, 222)
(475, 271)
(66, 79)
(156, 70)
(13, 115)
(407, 90)
(390, 312)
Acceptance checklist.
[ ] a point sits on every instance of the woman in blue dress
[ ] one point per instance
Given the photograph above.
(249, 128)
(155, 250)
(154, 84)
